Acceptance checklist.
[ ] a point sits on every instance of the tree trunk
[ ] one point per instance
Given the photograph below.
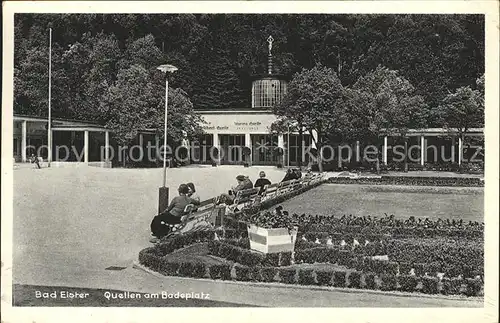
(319, 145)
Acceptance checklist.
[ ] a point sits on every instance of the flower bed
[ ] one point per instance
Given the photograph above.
(356, 252)
(411, 181)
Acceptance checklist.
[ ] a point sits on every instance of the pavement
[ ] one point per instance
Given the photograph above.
(69, 225)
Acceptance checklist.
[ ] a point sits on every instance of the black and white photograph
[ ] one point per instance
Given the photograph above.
(243, 158)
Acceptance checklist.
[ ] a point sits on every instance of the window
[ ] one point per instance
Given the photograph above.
(267, 92)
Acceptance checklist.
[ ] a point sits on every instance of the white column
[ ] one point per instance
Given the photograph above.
(453, 149)
(216, 145)
(248, 143)
(157, 146)
(384, 151)
(358, 157)
(86, 146)
(141, 140)
(106, 146)
(314, 134)
(460, 152)
(281, 144)
(422, 150)
(23, 141)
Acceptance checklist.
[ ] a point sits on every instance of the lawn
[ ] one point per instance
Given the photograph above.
(402, 201)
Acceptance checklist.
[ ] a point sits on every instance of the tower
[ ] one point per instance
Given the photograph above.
(269, 89)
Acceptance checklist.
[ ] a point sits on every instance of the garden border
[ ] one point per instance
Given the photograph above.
(137, 265)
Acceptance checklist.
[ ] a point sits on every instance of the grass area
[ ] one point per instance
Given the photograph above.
(402, 201)
(26, 295)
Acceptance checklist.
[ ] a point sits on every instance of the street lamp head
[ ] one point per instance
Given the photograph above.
(167, 68)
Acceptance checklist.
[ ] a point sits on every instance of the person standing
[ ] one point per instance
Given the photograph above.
(262, 182)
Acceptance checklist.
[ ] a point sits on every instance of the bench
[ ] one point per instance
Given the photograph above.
(284, 187)
(244, 198)
(270, 191)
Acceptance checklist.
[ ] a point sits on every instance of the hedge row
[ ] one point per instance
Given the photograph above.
(451, 257)
(451, 264)
(336, 233)
(151, 258)
(246, 257)
(412, 181)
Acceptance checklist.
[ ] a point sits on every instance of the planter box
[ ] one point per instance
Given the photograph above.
(271, 240)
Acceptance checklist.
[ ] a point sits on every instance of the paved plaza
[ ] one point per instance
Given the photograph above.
(72, 223)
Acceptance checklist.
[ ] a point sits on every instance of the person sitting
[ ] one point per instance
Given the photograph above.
(173, 214)
(244, 183)
(292, 174)
(35, 160)
(192, 194)
(262, 182)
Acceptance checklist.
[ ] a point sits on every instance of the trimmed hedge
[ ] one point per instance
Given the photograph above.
(430, 285)
(242, 273)
(306, 277)
(451, 286)
(473, 286)
(324, 277)
(370, 282)
(268, 274)
(389, 282)
(411, 181)
(287, 275)
(355, 279)
(339, 279)
(220, 271)
(408, 283)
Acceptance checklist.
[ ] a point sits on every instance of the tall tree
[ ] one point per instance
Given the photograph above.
(315, 98)
(383, 102)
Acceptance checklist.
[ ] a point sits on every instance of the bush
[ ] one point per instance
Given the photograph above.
(170, 268)
(370, 281)
(430, 285)
(222, 271)
(213, 247)
(451, 286)
(344, 257)
(254, 274)
(404, 268)
(392, 268)
(242, 273)
(235, 254)
(285, 258)
(355, 279)
(251, 258)
(199, 270)
(389, 282)
(287, 275)
(225, 250)
(339, 279)
(473, 286)
(306, 277)
(419, 269)
(186, 269)
(268, 274)
(271, 260)
(408, 283)
(324, 277)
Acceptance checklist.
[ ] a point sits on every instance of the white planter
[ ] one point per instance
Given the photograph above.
(271, 240)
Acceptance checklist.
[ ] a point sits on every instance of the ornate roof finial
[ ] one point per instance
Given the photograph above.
(270, 40)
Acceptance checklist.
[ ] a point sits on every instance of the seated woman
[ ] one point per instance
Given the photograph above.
(192, 193)
(173, 214)
(262, 182)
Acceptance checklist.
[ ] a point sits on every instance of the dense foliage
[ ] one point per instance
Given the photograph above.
(217, 55)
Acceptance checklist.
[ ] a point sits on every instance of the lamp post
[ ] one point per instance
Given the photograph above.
(288, 145)
(49, 128)
(163, 191)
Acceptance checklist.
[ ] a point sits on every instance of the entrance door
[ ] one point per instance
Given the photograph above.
(232, 149)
